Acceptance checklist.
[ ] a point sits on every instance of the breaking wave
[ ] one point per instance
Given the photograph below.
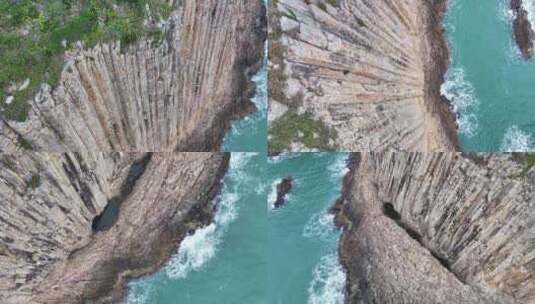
(462, 96)
(201, 246)
(320, 225)
(339, 167)
(516, 140)
(327, 286)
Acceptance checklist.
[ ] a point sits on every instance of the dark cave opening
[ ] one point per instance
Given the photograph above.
(107, 218)
(390, 212)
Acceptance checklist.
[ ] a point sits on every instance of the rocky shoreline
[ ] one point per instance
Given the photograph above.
(522, 29)
(147, 99)
(372, 87)
(394, 226)
(240, 104)
(173, 196)
(437, 62)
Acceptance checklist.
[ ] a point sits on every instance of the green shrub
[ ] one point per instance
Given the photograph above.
(294, 127)
(32, 34)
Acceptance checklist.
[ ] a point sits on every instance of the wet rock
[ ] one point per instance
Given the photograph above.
(522, 29)
(283, 188)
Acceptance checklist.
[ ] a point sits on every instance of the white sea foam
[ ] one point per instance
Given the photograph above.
(463, 98)
(282, 157)
(516, 140)
(320, 225)
(272, 196)
(327, 286)
(139, 292)
(339, 167)
(260, 79)
(529, 6)
(200, 247)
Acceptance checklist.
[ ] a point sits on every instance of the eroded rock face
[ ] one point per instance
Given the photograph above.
(177, 95)
(370, 70)
(522, 29)
(439, 228)
(49, 252)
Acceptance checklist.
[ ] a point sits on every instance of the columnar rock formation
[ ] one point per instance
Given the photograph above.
(371, 70)
(85, 204)
(438, 228)
(177, 94)
(49, 252)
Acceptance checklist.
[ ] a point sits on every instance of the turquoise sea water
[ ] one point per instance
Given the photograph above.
(226, 261)
(490, 85)
(303, 261)
(250, 134)
(252, 253)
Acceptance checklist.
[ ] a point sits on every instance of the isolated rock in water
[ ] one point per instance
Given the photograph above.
(438, 228)
(522, 29)
(283, 188)
(370, 70)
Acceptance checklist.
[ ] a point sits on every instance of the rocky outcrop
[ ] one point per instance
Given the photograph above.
(439, 228)
(283, 188)
(522, 29)
(178, 94)
(49, 251)
(370, 70)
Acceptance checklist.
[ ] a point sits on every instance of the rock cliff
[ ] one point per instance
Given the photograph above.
(439, 228)
(50, 251)
(178, 94)
(367, 71)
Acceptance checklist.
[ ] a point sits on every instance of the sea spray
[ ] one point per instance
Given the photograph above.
(201, 246)
(320, 226)
(272, 196)
(328, 282)
(328, 279)
(516, 140)
(462, 96)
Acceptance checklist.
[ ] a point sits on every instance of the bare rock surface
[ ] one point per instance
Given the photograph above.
(371, 70)
(177, 94)
(438, 228)
(49, 252)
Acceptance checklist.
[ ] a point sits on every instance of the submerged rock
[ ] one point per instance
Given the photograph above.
(283, 188)
(522, 29)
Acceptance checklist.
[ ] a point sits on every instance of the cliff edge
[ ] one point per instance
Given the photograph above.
(177, 94)
(61, 239)
(438, 228)
(359, 76)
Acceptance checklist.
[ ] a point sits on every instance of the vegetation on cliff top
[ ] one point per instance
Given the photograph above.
(34, 35)
(527, 160)
(302, 128)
